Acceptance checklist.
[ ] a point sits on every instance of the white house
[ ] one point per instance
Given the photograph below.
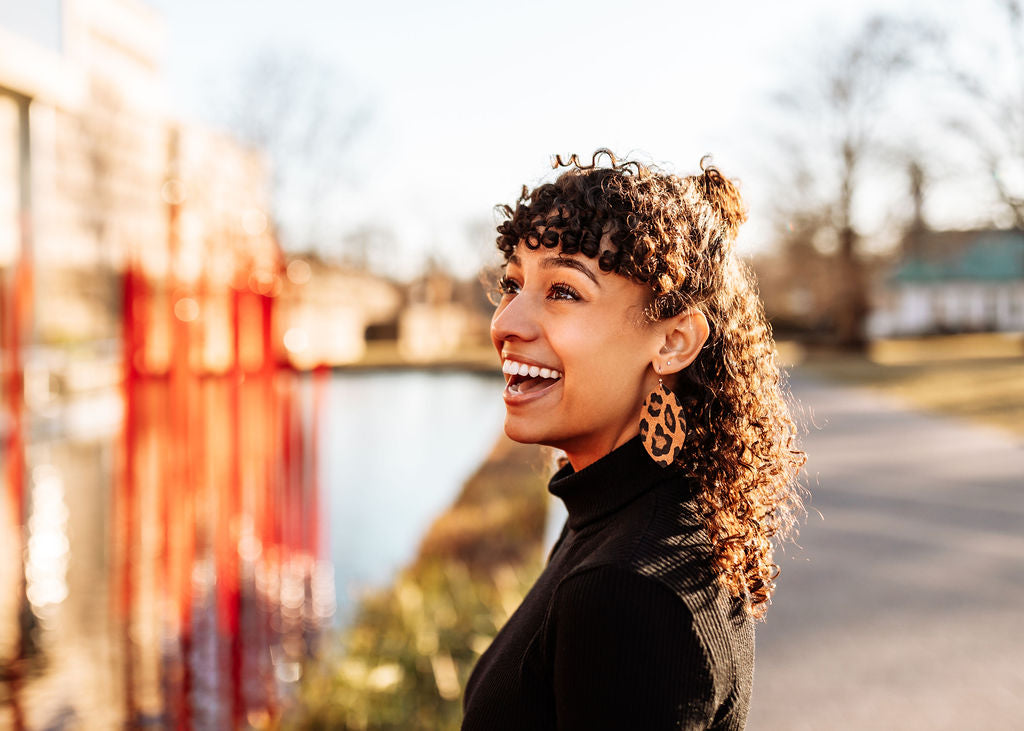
(954, 281)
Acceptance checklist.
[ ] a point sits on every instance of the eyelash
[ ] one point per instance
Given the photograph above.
(507, 285)
(559, 290)
(564, 289)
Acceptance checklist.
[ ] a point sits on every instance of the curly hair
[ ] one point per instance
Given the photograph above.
(676, 235)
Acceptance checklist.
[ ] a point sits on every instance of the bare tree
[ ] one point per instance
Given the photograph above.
(372, 247)
(990, 116)
(837, 132)
(306, 116)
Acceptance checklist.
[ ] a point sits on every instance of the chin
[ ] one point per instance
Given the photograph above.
(523, 431)
(530, 434)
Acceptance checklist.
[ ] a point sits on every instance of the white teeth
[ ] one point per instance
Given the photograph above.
(513, 368)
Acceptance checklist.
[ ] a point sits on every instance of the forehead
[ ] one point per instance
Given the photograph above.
(553, 259)
(546, 255)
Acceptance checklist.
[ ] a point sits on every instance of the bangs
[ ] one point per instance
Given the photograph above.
(563, 225)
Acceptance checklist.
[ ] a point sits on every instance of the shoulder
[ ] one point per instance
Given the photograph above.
(615, 596)
(674, 546)
(669, 565)
(619, 642)
(675, 551)
(661, 536)
(623, 600)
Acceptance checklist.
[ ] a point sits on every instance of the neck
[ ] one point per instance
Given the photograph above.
(585, 454)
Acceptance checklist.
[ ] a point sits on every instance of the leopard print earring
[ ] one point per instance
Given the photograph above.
(662, 426)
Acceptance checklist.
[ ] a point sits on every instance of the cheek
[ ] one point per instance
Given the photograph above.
(576, 345)
(603, 364)
(620, 363)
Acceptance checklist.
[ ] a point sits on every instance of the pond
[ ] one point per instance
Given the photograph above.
(155, 582)
(397, 448)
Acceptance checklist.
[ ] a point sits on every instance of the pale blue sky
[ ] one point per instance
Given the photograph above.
(471, 99)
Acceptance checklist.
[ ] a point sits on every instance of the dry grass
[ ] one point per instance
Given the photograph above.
(977, 377)
(499, 517)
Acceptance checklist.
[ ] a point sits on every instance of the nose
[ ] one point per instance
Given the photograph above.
(515, 319)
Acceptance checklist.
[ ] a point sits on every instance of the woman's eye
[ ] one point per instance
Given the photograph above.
(562, 291)
(508, 286)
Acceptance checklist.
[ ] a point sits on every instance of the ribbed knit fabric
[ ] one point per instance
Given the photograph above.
(626, 627)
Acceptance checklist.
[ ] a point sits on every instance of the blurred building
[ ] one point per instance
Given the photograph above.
(952, 282)
(442, 316)
(106, 174)
(326, 310)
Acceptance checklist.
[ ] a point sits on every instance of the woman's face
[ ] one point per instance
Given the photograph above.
(587, 331)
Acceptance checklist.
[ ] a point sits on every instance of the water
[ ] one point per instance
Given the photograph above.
(397, 448)
(177, 611)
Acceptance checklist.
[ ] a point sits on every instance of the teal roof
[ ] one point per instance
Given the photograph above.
(991, 256)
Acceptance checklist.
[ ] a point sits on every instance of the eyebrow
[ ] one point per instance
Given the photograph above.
(555, 262)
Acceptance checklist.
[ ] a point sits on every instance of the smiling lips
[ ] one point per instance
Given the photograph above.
(527, 379)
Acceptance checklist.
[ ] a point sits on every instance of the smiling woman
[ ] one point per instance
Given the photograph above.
(632, 340)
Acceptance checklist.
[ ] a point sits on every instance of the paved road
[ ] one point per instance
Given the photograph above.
(904, 609)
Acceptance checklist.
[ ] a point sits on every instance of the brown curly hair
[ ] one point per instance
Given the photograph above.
(676, 234)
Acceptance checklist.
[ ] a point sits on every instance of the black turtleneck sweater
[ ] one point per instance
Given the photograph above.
(626, 627)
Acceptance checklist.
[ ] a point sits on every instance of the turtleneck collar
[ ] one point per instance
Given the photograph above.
(611, 482)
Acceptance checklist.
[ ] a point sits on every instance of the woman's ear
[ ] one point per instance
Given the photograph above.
(685, 335)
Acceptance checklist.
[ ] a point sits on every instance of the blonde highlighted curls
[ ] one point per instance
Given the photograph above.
(676, 235)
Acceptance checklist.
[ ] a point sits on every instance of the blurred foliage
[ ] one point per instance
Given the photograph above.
(411, 650)
(404, 661)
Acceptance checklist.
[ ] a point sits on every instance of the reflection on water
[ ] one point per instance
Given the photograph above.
(169, 575)
(161, 558)
(171, 567)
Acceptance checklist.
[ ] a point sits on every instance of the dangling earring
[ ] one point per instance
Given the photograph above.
(662, 426)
